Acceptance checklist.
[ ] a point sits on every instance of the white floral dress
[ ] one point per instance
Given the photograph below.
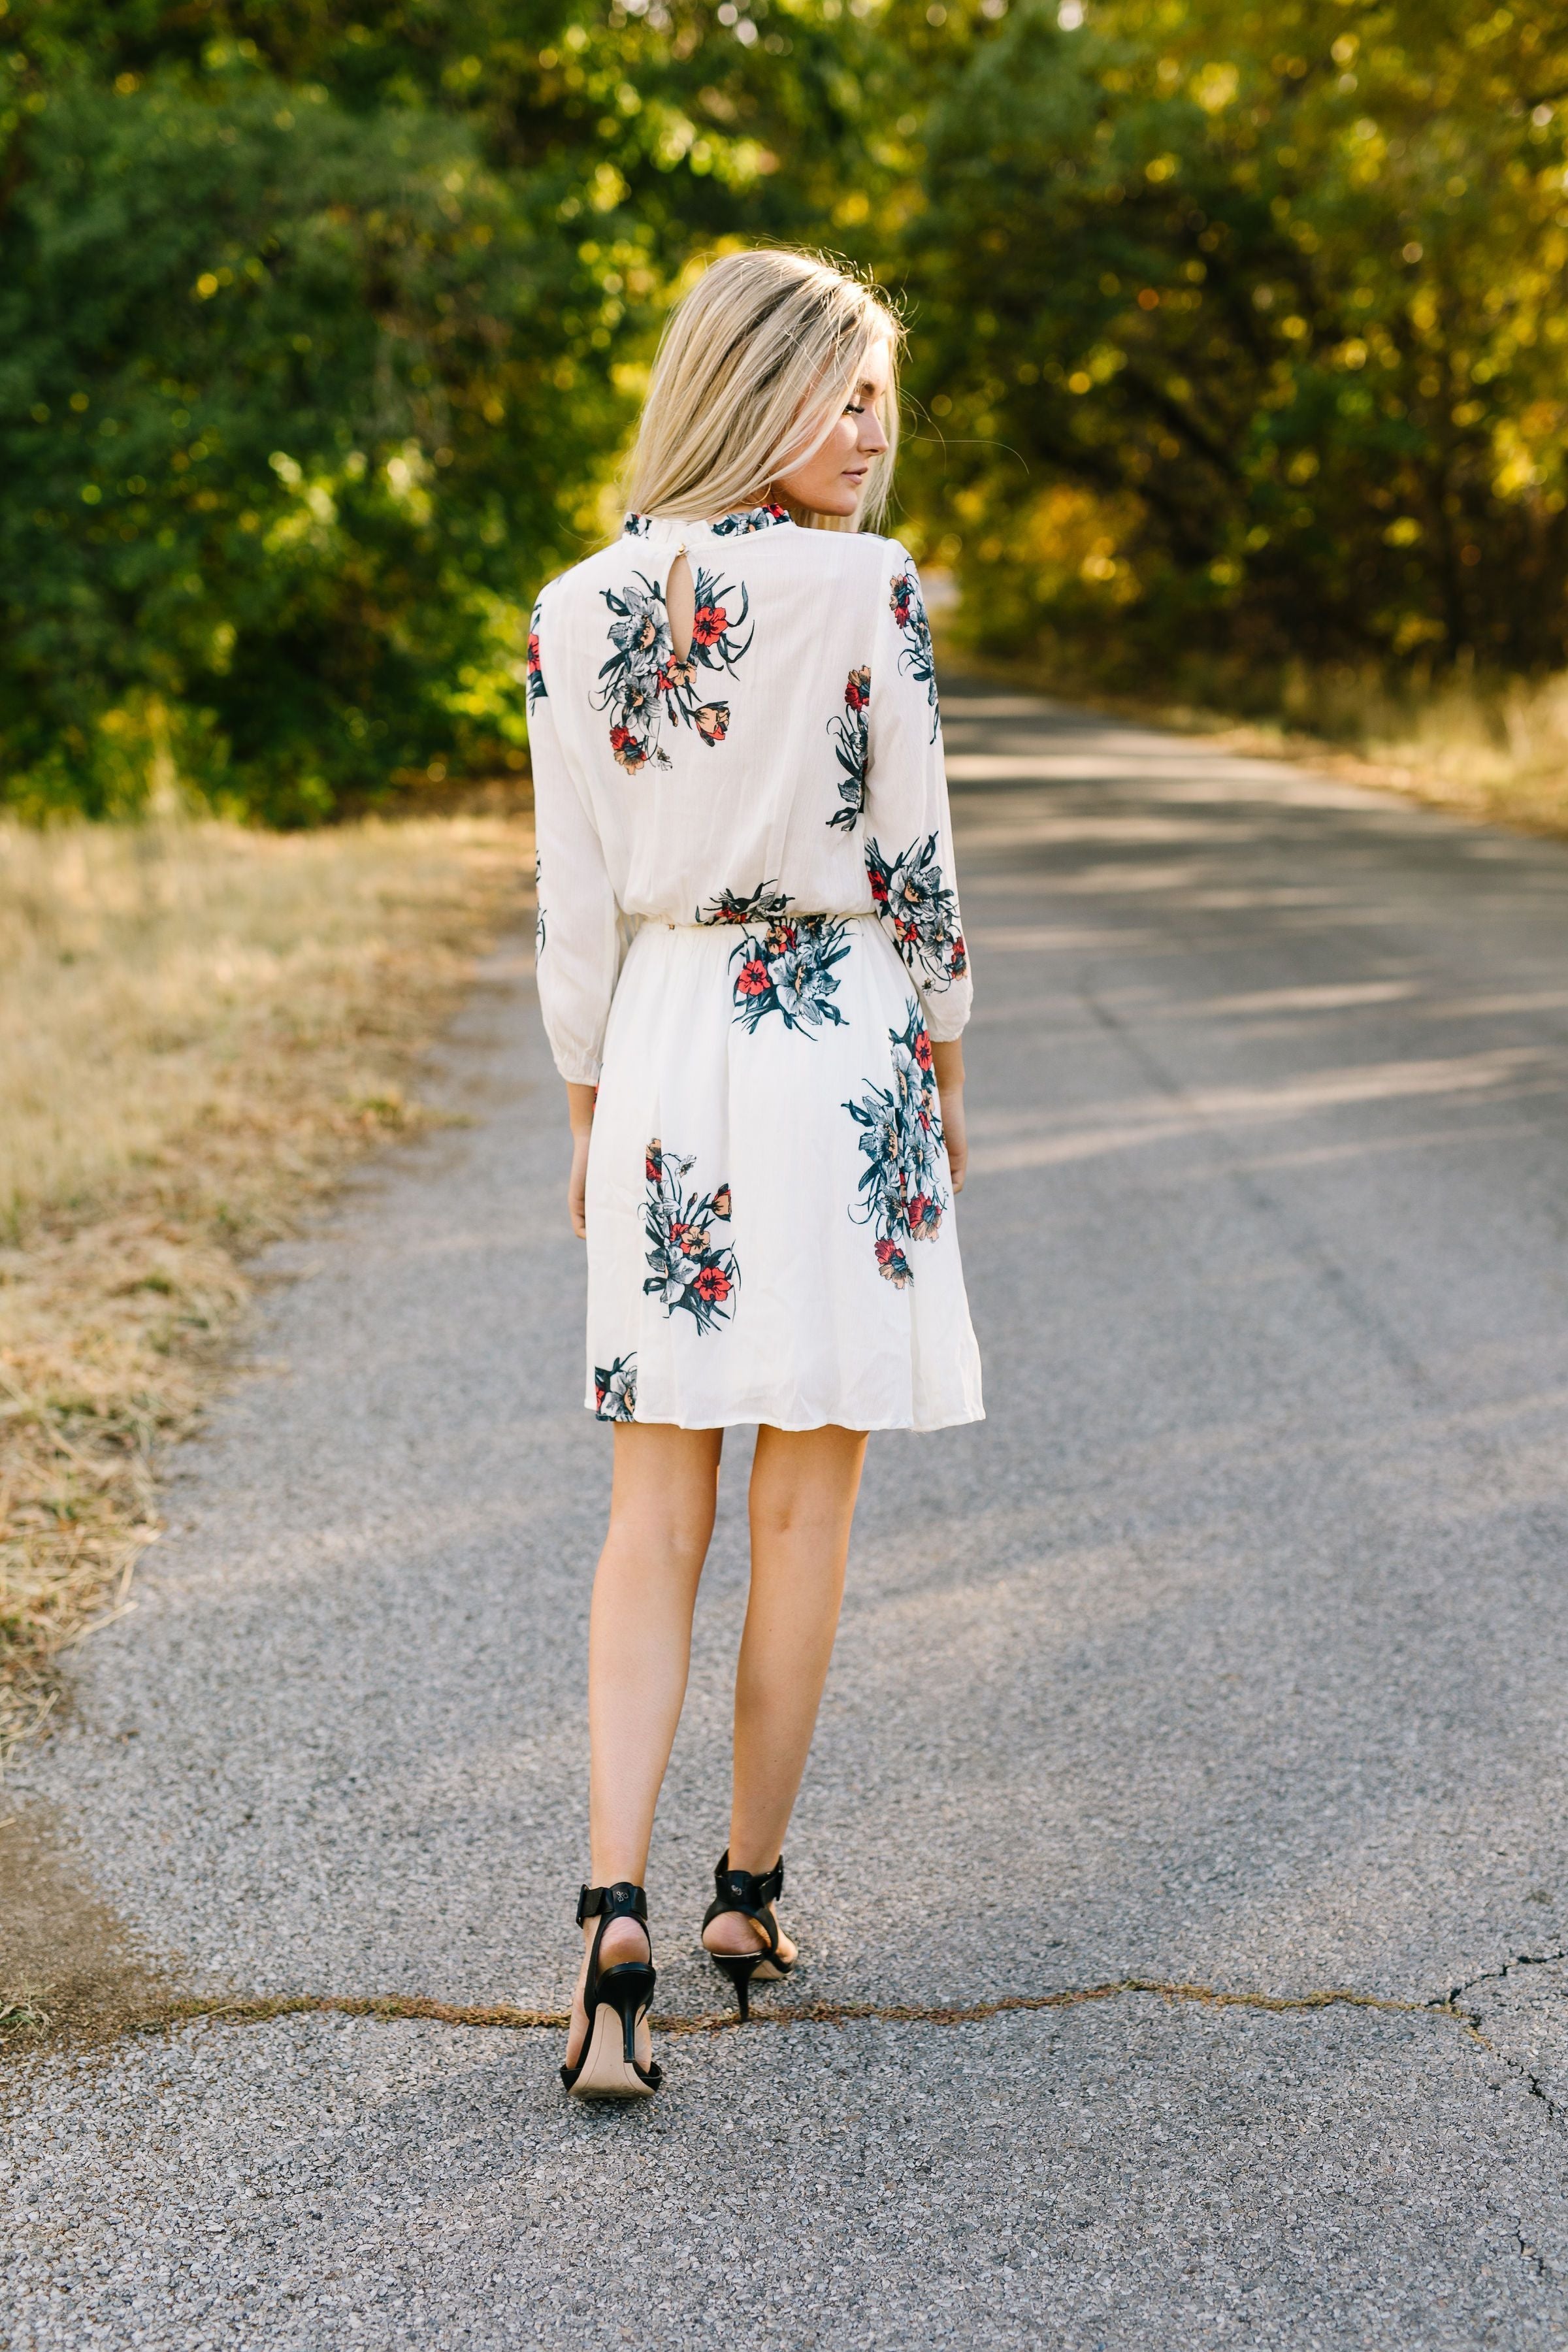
(748, 938)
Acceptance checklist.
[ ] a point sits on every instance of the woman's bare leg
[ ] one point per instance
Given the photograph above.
(639, 1649)
(804, 1485)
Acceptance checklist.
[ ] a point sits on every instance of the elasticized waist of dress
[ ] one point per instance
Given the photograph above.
(741, 922)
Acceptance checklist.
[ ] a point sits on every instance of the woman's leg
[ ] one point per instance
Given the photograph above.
(639, 1647)
(804, 1485)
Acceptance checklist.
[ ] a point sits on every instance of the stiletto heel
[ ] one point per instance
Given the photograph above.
(607, 2067)
(738, 1969)
(753, 1898)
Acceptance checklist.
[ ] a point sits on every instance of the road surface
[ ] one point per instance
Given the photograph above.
(1227, 1658)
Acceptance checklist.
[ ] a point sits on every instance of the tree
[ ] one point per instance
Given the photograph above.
(319, 327)
(1247, 328)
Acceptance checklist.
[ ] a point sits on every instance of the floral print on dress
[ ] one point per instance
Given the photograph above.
(850, 731)
(917, 659)
(615, 1389)
(900, 1135)
(911, 895)
(642, 681)
(741, 525)
(729, 907)
(731, 526)
(789, 970)
(537, 689)
(687, 1267)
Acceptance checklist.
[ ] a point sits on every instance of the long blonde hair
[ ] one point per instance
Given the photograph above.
(753, 369)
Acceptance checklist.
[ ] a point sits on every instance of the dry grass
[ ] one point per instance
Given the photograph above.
(199, 1027)
(1496, 751)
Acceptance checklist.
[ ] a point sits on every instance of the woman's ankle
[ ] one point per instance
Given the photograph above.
(623, 1939)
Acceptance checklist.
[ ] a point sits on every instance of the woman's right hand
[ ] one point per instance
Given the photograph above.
(580, 1101)
(947, 1063)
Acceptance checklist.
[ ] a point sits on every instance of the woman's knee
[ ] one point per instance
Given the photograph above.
(672, 1540)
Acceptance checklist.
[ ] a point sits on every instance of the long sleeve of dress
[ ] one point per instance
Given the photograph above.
(576, 931)
(908, 827)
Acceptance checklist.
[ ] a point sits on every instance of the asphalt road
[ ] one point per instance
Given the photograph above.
(1227, 1656)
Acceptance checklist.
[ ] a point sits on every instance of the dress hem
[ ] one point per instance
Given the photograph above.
(790, 1428)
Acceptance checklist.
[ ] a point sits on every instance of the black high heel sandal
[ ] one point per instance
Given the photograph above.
(753, 1898)
(620, 1994)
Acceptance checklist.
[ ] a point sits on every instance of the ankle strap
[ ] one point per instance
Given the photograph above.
(744, 1890)
(621, 1901)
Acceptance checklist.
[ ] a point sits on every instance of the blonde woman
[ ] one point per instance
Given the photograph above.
(754, 980)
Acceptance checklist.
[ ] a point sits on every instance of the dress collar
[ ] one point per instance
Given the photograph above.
(665, 529)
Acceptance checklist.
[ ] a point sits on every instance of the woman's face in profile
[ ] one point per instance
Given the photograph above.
(832, 479)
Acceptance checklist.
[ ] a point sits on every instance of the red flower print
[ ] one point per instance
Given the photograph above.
(751, 980)
(960, 958)
(922, 1049)
(534, 663)
(713, 721)
(619, 738)
(920, 1210)
(708, 623)
(887, 1252)
(857, 688)
(878, 885)
(688, 1272)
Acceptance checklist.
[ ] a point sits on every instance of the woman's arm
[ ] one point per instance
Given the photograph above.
(577, 943)
(908, 825)
(580, 1101)
(947, 1061)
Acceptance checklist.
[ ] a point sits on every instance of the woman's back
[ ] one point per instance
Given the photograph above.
(790, 763)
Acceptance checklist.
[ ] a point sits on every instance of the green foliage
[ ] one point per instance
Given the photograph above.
(276, 395)
(319, 329)
(1247, 330)
(1238, 332)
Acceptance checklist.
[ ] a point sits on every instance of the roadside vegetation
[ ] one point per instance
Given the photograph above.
(200, 1028)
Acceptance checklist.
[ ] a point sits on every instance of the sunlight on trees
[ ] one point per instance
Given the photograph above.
(1237, 332)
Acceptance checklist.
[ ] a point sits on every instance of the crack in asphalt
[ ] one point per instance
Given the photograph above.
(162, 2015)
(1516, 2066)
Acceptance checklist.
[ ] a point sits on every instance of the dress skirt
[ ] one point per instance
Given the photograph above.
(771, 1231)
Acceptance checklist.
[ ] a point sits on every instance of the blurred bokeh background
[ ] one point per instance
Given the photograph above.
(1237, 354)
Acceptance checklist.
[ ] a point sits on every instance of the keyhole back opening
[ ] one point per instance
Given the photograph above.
(680, 605)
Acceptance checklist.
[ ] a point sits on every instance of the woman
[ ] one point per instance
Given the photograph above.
(754, 980)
